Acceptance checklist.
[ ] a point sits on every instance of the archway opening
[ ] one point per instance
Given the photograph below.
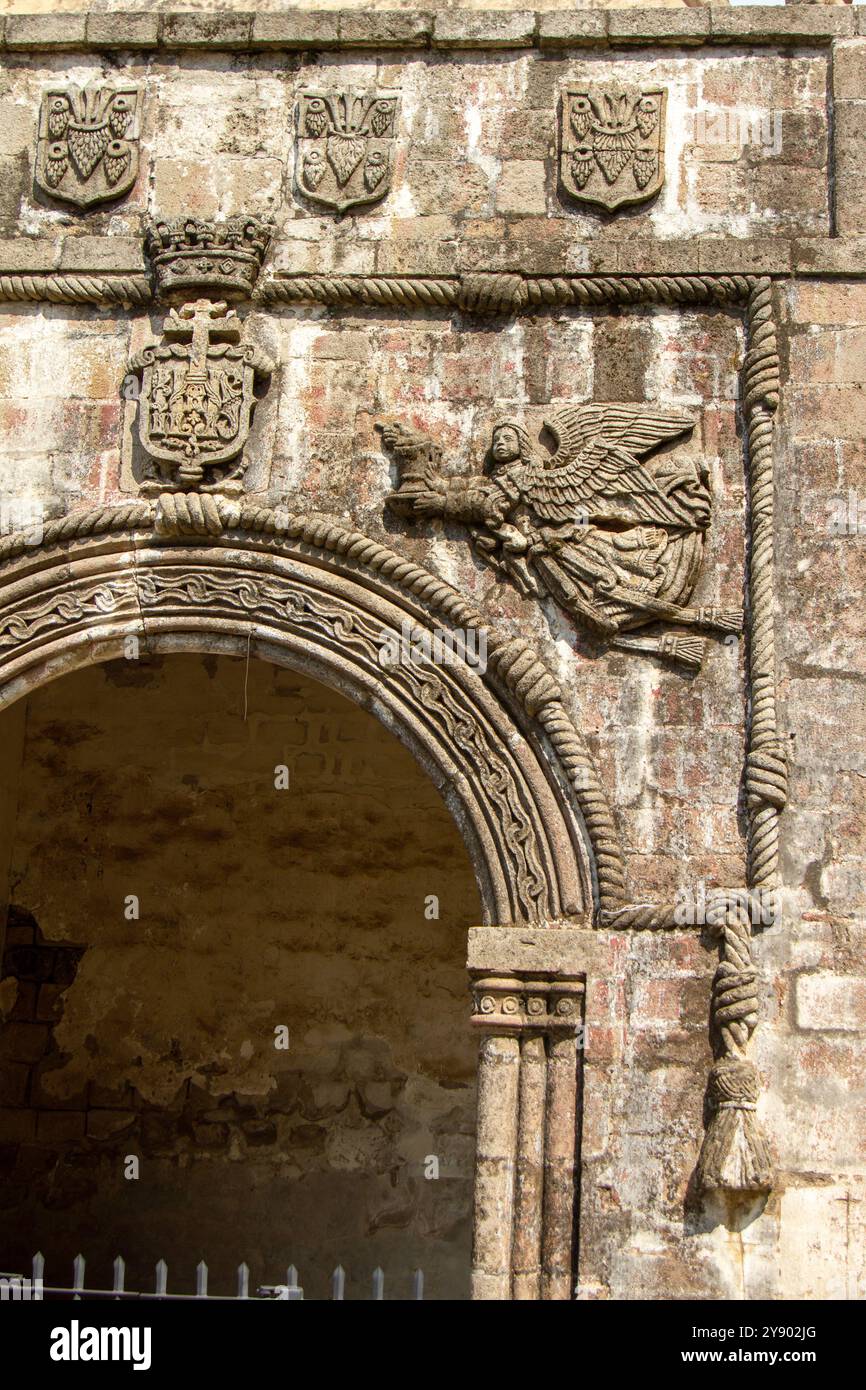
(235, 953)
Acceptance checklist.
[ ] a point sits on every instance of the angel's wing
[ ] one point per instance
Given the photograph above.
(595, 457)
(636, 428)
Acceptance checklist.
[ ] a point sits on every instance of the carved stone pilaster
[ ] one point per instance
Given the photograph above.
(527, 1135)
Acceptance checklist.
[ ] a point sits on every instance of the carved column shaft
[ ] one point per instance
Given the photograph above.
(529, 1175)
(527, 1126)
(559, 1175)
(498, 1074)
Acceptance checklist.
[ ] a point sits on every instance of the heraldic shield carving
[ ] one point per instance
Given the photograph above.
(616, 541)
(612, 148)
(88, 143)
(197, 398)
(345, 147)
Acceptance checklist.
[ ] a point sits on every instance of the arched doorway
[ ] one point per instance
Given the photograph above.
(238, 942)
(204, 576)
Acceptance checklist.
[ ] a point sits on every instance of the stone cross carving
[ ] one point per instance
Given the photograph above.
(197, 398)
(617, 542)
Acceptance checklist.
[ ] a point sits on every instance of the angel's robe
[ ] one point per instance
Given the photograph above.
(591, 561)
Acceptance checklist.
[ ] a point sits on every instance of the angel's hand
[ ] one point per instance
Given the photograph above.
(428, 503)
(640, 538)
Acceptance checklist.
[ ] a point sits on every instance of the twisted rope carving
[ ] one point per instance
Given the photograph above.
(124, 517)
(575, 758)
(503, 292)
(766, 767)
(637, 289)
(512, 660)
(480, 293)
(77, 289)
(640, 917)
(397, 291)
(734, 1154)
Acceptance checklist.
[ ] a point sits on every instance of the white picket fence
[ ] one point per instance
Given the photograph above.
(35, 1288)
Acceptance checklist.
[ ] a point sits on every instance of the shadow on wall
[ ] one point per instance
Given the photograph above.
(228, 966)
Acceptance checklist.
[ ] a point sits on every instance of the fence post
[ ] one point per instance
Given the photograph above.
(243, 1280)
(338, 1284)
(201, 1280)
(119, 1274)
(378, 1284)
(161, 1278)
(38, 1275)
(77, 1277)
(418, 1285)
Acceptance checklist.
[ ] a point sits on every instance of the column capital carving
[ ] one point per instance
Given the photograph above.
(526, 1002)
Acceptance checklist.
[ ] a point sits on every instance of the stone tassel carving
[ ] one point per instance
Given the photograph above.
(525, 1191)
(734, 1155)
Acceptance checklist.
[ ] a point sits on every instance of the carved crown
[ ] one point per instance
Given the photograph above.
(207, 257)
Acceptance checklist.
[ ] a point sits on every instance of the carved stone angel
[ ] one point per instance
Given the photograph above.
(616, 541)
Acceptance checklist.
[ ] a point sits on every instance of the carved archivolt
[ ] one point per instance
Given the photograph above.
(524, 804)
(499, 744)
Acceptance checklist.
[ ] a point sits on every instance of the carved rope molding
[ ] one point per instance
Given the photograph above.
(734, 1156)
(123, 290)
(514, 666)
(480, 292)
(501, 292)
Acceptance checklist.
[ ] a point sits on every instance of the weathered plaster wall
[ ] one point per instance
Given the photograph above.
(475, 154)
(453, 378)
(258, 908)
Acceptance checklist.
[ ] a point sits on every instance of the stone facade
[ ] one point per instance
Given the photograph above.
(669, 848)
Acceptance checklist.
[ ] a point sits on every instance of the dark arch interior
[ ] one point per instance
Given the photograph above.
(174, 905)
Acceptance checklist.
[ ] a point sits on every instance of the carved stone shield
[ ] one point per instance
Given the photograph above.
(612, 144)
(88, 143)
(345, 147)
(197, 395)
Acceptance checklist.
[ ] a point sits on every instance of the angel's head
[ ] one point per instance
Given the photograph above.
(509, 443)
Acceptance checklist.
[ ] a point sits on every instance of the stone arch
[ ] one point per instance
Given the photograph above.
(202, 574)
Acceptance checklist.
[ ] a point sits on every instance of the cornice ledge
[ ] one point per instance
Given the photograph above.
(295, 29)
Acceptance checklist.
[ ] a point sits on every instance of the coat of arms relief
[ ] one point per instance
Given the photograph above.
(196, 389)
(615, 537)
(88, 143)
(197, 398)
(612, 144)
(345, 147)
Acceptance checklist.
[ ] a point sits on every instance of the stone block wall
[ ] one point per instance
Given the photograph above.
(155, 1037)
(476, 190)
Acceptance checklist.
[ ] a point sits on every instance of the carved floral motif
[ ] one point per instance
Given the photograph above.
(612, 144)
(88, 144)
